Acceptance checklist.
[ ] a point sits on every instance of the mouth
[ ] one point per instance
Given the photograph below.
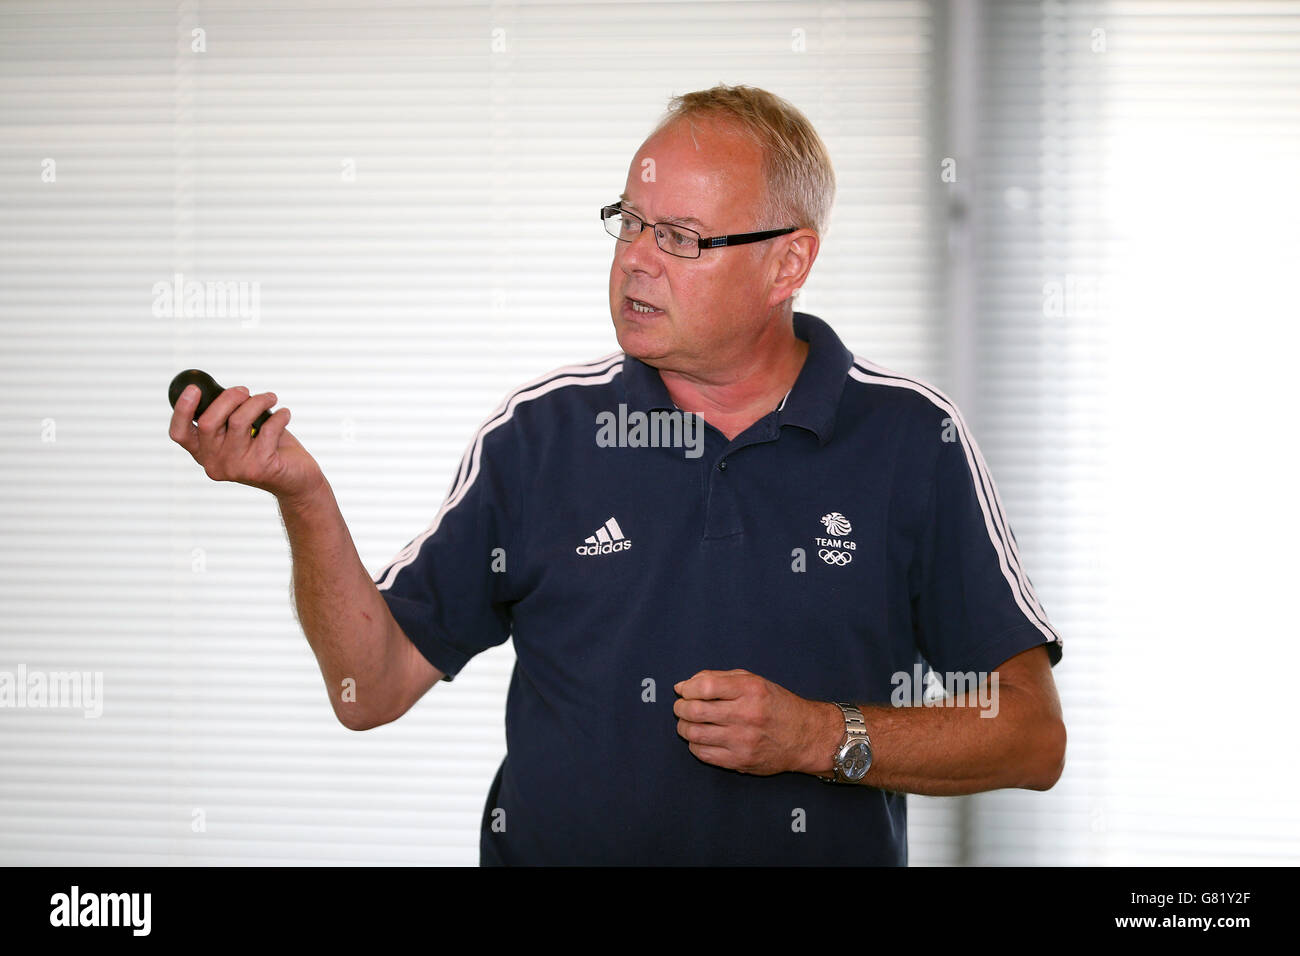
(640, 309)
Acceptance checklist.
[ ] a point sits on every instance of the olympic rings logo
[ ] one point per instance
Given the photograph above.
(839, 558)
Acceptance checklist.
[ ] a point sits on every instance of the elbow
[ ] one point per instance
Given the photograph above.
(1049, 757)
(353, 718)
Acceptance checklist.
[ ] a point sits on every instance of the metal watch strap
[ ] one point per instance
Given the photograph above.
(854, 725)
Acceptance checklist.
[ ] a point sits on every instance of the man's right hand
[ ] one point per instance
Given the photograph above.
(273, 460)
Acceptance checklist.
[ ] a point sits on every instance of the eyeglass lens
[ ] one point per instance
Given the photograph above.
(672, 239)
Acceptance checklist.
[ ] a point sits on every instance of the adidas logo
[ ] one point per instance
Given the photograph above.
(607, 540)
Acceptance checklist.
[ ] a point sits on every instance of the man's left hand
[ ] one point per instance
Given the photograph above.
(740, 721)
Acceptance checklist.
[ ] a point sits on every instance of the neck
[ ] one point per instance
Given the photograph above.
(734, 397)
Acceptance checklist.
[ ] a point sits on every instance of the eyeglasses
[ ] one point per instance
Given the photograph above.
(673, 239)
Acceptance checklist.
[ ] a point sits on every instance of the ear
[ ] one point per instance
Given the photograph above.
(794, 260)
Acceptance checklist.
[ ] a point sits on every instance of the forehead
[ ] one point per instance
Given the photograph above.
(693, 171)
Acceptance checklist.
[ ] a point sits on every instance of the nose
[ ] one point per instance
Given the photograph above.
(642, 253)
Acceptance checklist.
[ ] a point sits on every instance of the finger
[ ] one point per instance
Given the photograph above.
(711, 685)
(707, 735)
(693, 684)
(717, 756)
(268, 436)
(212, 423)
(182, 429)
(241, 421)
(706, 711)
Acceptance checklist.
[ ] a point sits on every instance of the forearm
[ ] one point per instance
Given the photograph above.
(948, 751)
(346, 621)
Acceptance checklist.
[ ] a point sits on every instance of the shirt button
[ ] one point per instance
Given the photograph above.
(722, 465)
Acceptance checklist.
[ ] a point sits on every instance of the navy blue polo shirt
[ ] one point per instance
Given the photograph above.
(837, 541)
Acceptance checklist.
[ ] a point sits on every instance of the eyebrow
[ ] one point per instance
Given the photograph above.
(684, 220)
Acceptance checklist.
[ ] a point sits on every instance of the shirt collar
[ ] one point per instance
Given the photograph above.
(811, 403)
(815, 398)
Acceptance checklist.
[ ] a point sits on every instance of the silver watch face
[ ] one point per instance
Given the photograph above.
(856, 760)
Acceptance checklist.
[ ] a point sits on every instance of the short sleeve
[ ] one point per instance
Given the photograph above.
(449, 588)
(973, 605)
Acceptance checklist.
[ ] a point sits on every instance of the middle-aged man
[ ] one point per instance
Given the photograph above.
(720, 625)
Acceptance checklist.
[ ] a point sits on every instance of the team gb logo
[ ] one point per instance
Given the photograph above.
(835, 548)
(836, 524)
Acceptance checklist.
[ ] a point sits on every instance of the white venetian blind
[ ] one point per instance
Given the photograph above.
(402, 199)
(1137, 208)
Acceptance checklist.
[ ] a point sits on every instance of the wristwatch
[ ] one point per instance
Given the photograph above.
(852, 759)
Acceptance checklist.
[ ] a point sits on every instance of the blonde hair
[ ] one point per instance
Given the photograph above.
(796, 166)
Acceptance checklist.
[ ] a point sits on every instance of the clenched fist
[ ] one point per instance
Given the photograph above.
(740, 721)
(274, 460)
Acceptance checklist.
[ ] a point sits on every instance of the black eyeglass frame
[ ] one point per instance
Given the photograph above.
(702, 242)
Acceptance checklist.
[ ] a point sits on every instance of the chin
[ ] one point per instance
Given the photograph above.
(639, 344)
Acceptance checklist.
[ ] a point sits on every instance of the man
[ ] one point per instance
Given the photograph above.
(707, 617)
